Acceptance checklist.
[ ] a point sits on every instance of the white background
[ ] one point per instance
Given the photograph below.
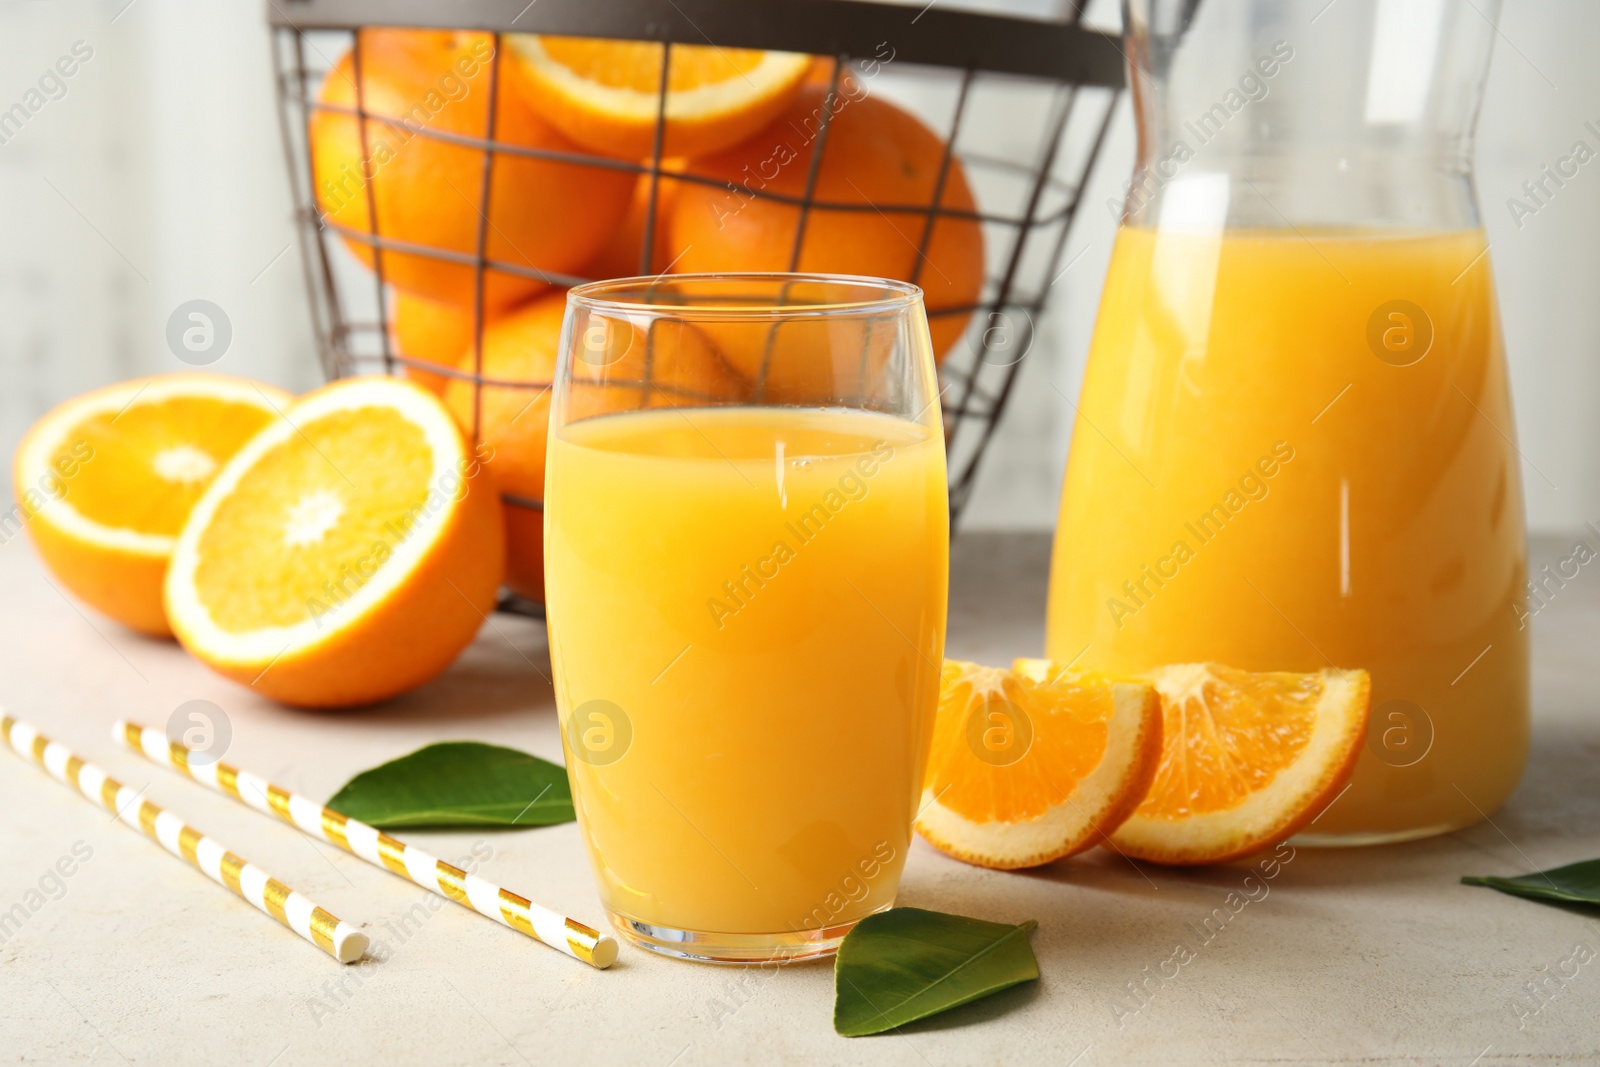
(159, 178)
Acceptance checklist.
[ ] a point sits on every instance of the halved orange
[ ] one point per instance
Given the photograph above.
(346, 554)
(1248, 759)
(605, 94)
(105, 481)
(1028, 770)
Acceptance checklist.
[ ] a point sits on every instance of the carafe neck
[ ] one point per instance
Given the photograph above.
(1306, 114)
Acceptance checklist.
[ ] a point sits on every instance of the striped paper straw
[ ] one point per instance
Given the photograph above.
(377, 848)
(341, 941)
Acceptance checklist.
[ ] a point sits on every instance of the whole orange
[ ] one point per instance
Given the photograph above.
(876, 155)
(621, 257)
(542, 214)
(512, 415)
(431, 331)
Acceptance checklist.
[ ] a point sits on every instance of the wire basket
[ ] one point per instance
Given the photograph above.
(1062, 77)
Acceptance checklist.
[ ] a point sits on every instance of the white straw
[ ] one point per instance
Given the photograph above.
(341, 941)
(565, 935)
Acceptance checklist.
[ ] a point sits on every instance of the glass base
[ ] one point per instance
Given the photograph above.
(789, 946)
(1380, 837)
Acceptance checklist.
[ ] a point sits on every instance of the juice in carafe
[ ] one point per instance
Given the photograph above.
(1294, 450)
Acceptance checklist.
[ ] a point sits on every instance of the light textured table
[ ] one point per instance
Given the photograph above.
(1367, 956)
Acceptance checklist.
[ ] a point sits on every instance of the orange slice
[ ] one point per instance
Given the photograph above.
(1249, 758)
(1024, 771)
(605, 95)
(105, 481)
(346, 554)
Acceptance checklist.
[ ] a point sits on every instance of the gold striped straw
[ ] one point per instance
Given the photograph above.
(377, 848)
(341, 941)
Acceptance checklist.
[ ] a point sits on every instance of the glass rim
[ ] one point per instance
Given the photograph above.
(896, 295)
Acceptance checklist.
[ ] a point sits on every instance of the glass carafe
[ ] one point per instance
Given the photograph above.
(1294, 446)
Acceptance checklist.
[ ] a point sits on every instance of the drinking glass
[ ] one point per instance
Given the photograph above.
(1295, 445)
(747, 544)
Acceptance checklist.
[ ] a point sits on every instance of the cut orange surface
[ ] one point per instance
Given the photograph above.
(1028, 770)
(1248, 759)
(605, 94)
(105, 481)
(346, 554)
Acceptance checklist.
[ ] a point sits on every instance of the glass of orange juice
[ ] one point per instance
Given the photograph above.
(1295, 445)
(747, 542)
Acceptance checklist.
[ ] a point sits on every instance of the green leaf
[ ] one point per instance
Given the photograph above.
(1576, 883)
(907, 964)
(459, 783)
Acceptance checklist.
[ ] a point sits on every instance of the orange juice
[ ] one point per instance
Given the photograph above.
(1295, 451)
(748, 622)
